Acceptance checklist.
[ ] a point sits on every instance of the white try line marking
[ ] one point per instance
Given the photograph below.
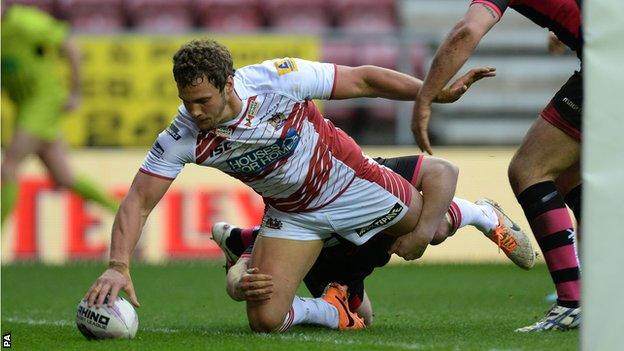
(329, 339)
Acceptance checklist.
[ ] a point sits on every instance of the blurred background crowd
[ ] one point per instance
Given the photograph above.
(127, 45)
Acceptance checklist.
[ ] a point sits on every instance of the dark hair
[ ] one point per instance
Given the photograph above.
(199, 58)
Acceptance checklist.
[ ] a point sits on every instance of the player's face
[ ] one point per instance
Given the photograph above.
(205, 103)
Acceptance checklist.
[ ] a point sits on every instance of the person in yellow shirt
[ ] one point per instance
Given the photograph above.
(34, 46)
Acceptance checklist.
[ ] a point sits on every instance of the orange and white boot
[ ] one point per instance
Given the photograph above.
(509, 237)
(336, 295)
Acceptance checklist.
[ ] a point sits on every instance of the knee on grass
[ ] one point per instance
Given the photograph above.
(265, 322)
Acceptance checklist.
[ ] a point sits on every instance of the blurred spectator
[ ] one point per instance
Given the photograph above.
(229, 15)
(160, 16)
(94, 16)
(32, 45)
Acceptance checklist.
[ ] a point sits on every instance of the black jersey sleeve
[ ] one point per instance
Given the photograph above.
(497, 5)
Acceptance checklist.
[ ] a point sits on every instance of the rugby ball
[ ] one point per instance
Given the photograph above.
(118, 322)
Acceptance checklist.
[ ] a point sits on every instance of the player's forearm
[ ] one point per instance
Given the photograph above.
(127, 229)
(389, 84)
(438, 189)
(448, 60)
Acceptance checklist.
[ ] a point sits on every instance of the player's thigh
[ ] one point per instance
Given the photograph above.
(54, 157)
(22, 144)
(545, 153)
(287, 261)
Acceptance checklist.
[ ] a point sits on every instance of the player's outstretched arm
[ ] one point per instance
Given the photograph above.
(450, 57)
(246, 284)
(373, 81)
(145, 192)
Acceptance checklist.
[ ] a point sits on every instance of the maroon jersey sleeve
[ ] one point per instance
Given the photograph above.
(497, 5)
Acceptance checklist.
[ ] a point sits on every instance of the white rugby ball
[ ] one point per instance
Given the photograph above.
(118, 322)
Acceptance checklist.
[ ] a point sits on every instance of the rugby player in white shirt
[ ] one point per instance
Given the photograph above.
(259, 124)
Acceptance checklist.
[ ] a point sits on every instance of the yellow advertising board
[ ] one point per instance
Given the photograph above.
(128, 91)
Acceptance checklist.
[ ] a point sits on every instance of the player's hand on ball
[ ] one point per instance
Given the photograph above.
(453, 92)
(410, 246)
(110, 282)
(253, 286)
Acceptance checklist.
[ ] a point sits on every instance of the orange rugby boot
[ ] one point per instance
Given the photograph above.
(336, 295)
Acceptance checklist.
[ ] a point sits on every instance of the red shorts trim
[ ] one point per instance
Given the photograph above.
(417, 170)
(154, 174)
(552, 116)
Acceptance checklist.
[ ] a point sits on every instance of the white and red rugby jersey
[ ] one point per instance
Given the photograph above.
(280, 144)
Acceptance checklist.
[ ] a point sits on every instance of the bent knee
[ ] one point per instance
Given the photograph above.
(265, 322)
(516, 173)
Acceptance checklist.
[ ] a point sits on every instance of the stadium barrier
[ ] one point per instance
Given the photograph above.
(57, 226)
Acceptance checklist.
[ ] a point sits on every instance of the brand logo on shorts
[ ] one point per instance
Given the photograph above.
(383, 220)
(157, 149)
(173, 132)
(255, 161)
(272, 223)
(570, 104)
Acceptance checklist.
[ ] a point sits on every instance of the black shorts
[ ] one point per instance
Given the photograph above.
(348, 264)
(566, 107)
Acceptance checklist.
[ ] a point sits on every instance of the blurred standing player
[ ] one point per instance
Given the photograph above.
(348, 265)
(260, 125)
(550, 152)
(32, 45)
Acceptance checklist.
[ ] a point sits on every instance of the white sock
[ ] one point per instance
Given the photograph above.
(305, 310)
(467, 213)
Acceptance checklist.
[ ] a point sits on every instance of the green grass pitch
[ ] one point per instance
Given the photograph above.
(185, 307)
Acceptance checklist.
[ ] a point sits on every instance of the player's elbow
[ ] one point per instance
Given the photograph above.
(466, 31)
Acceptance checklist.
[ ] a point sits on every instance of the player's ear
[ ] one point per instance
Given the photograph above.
(229, 84)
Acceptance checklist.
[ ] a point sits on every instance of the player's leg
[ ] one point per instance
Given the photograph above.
(22, 144)
(552, 146)
(461, 212)
(365, 310)
(319, 310)
(424, 172)
(287, 261)
(54, 156)
(232, 240)
(569, 185)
